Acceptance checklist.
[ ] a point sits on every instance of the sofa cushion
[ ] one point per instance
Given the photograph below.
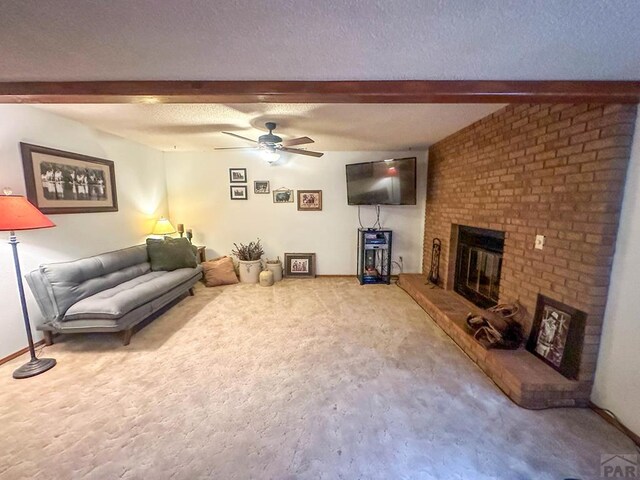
(170, 254)
(121, 299)
(219, 272)
(68, 282)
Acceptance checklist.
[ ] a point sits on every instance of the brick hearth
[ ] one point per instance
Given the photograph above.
(553, 170)
(526, 380)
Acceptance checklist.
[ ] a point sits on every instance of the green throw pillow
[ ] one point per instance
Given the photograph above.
(171, 253)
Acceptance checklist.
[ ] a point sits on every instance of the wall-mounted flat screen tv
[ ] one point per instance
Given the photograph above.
(385, 182)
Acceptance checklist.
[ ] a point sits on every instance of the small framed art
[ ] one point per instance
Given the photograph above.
(557, 335)
(238, 192)
(300, 265)
(310, 200)
(261, 187)
(283, 195)
(238, 175)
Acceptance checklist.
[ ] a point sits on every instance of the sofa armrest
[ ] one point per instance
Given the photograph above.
(44, 296)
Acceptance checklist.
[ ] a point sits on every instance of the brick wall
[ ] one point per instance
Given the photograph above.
(555, 170)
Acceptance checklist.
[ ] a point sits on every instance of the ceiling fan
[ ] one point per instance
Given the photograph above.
(271, 145)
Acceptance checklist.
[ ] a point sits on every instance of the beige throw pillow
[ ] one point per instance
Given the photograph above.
(219, 272)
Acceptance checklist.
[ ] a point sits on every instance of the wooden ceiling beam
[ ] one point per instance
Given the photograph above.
(402, 91)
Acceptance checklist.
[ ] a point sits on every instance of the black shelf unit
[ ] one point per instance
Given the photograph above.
(374, 256)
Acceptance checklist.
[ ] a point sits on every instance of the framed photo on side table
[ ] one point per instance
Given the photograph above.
(310, 200)
(237, 175)
(238, 192)
(64, 182)
(557, 336)
(300, 265)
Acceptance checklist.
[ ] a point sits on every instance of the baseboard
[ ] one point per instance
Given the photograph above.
(10, 357)
(336, 276)
(615, 422)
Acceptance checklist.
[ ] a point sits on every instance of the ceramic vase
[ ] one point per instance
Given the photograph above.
(276, 269)
(266, 278)
(249, 270)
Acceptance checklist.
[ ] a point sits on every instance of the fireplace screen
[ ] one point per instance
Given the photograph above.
(478, 265)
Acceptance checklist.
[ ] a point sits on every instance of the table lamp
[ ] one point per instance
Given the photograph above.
(16, 213)
(163, 227)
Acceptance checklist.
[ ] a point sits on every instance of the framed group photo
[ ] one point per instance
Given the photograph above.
(261, 187)
(300, 265)
(65, 182)
(557, 336)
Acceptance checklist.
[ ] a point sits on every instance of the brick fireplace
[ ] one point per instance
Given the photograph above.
(527, 170)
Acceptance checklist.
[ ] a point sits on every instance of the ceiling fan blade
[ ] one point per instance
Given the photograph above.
(240, 136)
(236, 148)
(299, 151)
(297, 141)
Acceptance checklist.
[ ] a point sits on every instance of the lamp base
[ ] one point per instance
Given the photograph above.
(34, 367)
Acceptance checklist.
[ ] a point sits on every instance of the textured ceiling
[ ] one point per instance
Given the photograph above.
(319, 40)
(197, 127)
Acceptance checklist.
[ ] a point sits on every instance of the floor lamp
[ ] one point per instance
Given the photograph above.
(16, 213)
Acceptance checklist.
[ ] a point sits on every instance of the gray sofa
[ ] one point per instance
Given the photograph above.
(111, 292)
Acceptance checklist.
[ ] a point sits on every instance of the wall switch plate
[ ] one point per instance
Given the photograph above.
(539, 245)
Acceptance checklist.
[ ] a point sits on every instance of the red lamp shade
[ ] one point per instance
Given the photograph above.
(17, 213)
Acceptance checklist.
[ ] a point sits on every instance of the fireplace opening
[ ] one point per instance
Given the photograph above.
(478, 265)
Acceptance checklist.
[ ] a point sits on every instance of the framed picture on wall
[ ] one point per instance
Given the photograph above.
(237, 175)
(238, 192)
(300, 265)
(310, 200)
(261, 187)
(283, 195)
(64, 182)
(557, 335)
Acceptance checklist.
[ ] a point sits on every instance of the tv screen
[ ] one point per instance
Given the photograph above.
(385, 182)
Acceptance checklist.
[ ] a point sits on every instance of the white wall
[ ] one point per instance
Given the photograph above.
(198, 191)
(141, 196)
(617, 383)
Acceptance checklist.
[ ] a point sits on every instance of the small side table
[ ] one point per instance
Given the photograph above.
(202, 254)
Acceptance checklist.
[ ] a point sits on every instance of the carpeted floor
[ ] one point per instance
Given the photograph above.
(307, 379)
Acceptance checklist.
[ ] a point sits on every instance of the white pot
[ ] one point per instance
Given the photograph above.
(276, 269)
(249, 270)
(266, 278)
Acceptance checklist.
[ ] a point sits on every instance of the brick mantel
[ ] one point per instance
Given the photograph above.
(554, 170)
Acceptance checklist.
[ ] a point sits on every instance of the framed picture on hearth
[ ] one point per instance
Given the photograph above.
(65, 182)
(557, 335)
(300, 265)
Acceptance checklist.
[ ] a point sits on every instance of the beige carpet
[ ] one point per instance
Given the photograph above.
(308, 379)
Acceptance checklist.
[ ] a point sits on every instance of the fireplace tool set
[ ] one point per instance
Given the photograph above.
(435, 262)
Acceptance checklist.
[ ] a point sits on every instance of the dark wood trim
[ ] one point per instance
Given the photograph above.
(22, 351)
(402, 91)
(616, 423)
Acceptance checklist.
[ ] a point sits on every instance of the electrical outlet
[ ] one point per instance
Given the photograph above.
(539, 245)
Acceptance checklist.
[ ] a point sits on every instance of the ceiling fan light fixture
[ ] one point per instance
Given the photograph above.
(271, 156)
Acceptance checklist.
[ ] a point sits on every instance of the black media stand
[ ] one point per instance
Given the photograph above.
(374, 256)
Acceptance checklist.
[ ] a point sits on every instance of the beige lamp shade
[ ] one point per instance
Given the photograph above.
(163, 227)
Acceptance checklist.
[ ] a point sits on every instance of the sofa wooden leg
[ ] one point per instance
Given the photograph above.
(191, 292)
(48, 337)
(126, 336)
